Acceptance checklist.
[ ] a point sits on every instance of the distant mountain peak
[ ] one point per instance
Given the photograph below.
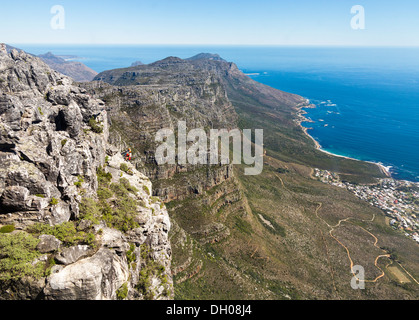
(137, 63)
(168, 61)
(51, 57)
(206, 56)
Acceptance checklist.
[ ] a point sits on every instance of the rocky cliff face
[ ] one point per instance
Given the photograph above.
(77, 221)
(146, 98)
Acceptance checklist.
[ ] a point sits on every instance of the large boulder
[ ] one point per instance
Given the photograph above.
(15, 198)
(94, 278)
(48, 243)
(70, 119)
(73, 254)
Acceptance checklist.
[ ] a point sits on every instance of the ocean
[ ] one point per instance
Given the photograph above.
(367, 99)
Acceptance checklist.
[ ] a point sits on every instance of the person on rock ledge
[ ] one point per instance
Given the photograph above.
(128, 155)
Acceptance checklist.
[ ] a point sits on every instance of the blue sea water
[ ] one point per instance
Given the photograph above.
(367, 99)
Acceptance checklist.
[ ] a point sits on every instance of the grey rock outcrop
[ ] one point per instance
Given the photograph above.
(49, 158)
(43, 149)
(73, 254)
(95, 278)
(48, 243)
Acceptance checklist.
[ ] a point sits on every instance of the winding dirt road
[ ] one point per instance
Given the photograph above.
(333, 228)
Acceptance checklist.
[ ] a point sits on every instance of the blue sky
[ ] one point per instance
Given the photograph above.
(228, 22)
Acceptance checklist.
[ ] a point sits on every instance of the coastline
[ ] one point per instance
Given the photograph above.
(301, 118)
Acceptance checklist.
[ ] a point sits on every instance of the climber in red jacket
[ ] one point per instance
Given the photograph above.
(128, 155)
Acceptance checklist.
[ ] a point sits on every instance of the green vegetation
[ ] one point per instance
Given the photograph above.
(53, 201)
(65, 232)
(125, 185)
(116, 204)
(155, 199)
(243, 225)
(131, 256)
(282, 170)
(79, 182)
(103, 176)
(149, 269)
(7, 229)
(123, 167)
(146, 189)
(144, 284)
(122, 292)
(48, 265)
(63, 142)
(95, 126)
(280, 290)
(104, 193)
(18, 252)
(90, 210)
(39, 195)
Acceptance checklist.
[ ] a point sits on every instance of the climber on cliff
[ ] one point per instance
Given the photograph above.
(128, 155)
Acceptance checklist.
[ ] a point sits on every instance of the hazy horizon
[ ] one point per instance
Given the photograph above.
(208, 45)
(187, 22)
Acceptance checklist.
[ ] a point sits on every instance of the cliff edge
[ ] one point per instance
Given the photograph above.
(76, 220)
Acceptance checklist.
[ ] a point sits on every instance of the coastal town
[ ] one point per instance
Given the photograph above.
(399, 199)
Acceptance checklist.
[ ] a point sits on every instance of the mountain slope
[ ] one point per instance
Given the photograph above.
(74, 69)
(269, 236)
